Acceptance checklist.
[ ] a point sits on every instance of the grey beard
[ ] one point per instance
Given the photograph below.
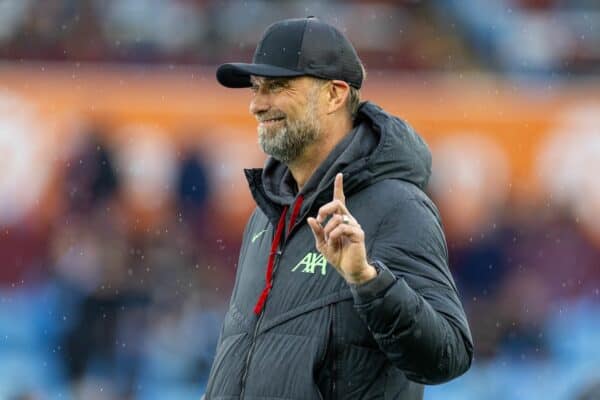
(290, 141)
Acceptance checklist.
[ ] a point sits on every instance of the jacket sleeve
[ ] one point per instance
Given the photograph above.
(412, 306)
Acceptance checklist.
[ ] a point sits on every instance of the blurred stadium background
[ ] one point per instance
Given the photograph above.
(122, 198)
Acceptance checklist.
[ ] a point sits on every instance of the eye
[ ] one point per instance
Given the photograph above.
(278, 85)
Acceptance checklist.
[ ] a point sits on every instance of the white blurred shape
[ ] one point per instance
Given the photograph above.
(24, 163)
(229, 154)
(147, 165)
(470, 179)
(569, 165)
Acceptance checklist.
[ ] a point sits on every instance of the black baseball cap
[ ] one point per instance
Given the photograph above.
(296, 47)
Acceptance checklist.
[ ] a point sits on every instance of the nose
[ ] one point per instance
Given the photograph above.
(259, 103)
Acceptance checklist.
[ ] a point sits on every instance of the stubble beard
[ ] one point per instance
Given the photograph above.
(288, 142)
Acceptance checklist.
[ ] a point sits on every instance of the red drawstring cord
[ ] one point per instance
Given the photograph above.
(269, 277)
(274, 246)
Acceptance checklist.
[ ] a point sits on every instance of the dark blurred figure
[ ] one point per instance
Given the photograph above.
(89, 252)
(193, 193)
(481, 266)
(193, 186)
(91, 177)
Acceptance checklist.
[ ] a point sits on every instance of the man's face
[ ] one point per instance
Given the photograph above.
(288, 113)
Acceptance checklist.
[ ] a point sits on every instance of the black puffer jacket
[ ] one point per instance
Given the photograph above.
(297, 330)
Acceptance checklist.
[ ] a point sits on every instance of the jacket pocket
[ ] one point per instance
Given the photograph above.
(324, 371)
(326, 342)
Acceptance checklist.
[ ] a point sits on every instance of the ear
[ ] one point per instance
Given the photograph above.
(337, 93)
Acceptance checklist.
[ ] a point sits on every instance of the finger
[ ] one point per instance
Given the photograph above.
(353, 233)
(335, 221)
(338, 188)
(317, 231)
(333, 207)
(332, 224)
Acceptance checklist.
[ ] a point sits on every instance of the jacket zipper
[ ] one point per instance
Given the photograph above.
(333, 353)
(249, 356)
(255, 333)
(278, 254)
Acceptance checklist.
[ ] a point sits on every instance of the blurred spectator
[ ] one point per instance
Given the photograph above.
(532, 36)
(90, 178)
(193, 188)
(132, 299)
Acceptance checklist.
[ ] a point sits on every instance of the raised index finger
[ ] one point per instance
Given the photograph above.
(338, 188)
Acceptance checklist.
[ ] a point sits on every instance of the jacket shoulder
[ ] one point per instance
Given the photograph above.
(389, 194)
(398, 213)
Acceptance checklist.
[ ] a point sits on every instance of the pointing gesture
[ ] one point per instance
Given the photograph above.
(341, 240)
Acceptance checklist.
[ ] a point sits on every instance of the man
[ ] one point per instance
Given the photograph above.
(342, 288)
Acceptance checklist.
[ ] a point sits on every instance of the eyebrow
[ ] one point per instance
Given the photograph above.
(269, 81)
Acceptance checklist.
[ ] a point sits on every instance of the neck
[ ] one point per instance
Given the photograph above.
(307, 163)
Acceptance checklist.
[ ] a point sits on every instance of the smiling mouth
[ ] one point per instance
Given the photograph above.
(271, 121)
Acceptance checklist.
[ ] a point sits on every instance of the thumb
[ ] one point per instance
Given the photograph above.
(317, 231)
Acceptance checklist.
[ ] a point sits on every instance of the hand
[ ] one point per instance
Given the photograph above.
(342, 240)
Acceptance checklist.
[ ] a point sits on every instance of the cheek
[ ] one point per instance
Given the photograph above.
(299, 111)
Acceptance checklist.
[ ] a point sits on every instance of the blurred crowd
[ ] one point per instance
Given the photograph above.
(99, 300)
(95, 298)
(506, 36)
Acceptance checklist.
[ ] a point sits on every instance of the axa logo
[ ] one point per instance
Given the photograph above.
(312, 263)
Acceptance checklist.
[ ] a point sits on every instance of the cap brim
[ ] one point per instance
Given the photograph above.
(237, 75)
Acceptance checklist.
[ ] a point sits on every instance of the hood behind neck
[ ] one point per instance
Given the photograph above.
(380, 146)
